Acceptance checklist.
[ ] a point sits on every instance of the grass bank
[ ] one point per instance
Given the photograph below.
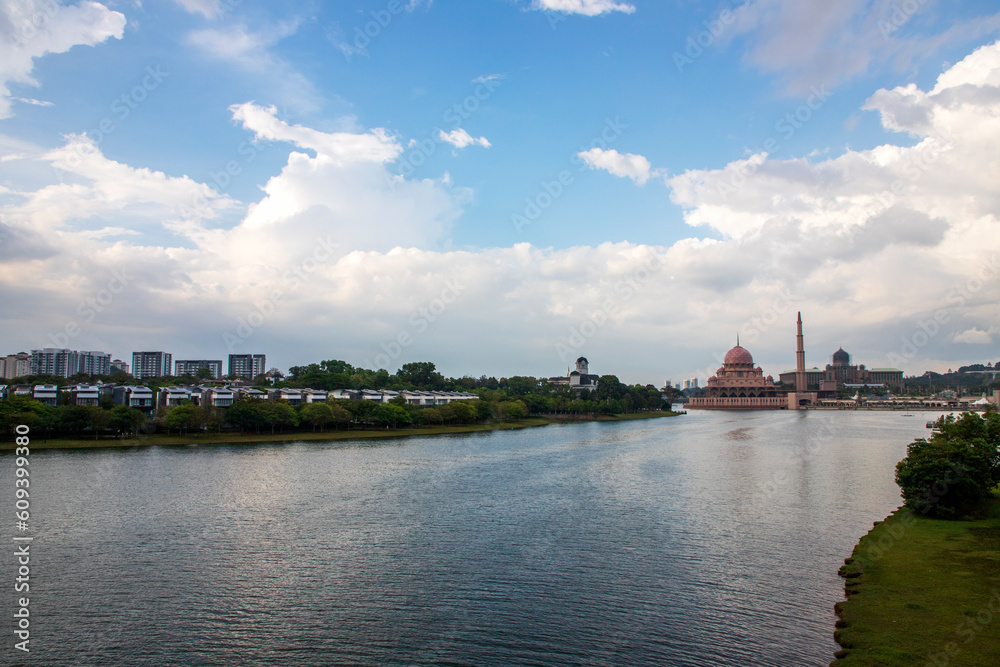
(923, 592)
(38, 442)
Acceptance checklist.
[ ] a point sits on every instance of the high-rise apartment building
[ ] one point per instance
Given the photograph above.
(151, 364)
(17, 365)
(247, 365)
(191, 367)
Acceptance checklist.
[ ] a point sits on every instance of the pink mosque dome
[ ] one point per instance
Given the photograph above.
(739, 355)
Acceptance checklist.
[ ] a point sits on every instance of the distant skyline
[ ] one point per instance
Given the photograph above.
(502, 186)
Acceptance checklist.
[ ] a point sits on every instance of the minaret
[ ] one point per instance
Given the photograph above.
(801, 385)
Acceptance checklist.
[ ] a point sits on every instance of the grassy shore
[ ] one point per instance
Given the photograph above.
(38, 442)
(923, 592)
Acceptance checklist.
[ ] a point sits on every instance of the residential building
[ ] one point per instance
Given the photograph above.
(140, 398)
(17, 365)
(54, 361)
(191, 367)
(249, 393)
(119, 366)
(247, 365)
(151, 364)
(170, 397)
(46, 393)
(217, 397)
(94, 363)
(82, 394)
(290, 396)
(314, 395)
(3, 392)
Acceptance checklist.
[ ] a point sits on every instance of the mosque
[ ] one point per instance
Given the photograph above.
(741, 385)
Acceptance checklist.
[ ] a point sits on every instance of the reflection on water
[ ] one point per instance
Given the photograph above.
(709, 539)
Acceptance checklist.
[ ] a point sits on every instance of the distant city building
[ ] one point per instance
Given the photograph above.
(119, 366)
(581, 378)
(844, 373)
(739, 385)
(151, 364)
(694, 383)
(191, 367)
(53, 361)
(95, 363)
(247, 365)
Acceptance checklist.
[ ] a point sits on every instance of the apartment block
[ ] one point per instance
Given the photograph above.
(151, 364)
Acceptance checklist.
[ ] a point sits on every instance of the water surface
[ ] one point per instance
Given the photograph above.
(708, 539)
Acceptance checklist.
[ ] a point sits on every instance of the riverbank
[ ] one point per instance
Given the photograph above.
(923, 592)
(38, 442)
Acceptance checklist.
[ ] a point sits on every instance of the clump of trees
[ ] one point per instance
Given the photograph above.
(953, 473)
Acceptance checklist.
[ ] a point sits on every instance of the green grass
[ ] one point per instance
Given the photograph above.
(38, 442)
(923, 592)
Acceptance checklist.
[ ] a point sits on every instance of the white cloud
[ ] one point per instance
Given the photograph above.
(29, 29)
(250, 50)
(340, 148)
(868, 244)
(973, 337)
(626, 165)
(460, 139)
(584, 7)
(210, 9)
(34, 102)
(810, 44)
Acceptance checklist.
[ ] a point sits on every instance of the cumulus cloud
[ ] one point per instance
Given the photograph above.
(460, 139)
(29, 29)
(811, 44)
(974, 336)
(342, 259)
(626, 165)
(584, 7)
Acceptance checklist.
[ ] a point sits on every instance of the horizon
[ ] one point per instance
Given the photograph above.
(503, 186)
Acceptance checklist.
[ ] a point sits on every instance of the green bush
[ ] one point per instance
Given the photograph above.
(953, 473)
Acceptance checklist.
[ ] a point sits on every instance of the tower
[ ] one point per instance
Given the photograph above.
(800, 360)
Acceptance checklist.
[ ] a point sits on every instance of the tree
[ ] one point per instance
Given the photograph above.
(609, 386)
(953, 473)
(316, 415)
(184, 416)
(124, 419)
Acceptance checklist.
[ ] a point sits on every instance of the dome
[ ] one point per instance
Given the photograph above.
(841, 358)
(739, 355)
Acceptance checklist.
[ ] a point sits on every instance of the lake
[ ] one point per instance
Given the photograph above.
(713, 538)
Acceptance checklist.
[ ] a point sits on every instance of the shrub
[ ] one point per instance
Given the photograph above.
(951, 474)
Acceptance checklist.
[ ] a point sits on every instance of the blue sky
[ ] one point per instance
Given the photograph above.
(544, 154)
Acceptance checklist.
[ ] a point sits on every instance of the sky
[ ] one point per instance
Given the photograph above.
(502, 186)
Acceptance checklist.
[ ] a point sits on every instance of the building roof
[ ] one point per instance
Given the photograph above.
(739, 355)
